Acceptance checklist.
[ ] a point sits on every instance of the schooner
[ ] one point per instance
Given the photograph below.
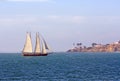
(41, 46)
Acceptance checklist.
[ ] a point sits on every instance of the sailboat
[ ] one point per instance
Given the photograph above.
(41, 46)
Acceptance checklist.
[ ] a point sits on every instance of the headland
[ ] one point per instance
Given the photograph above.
(112, 47)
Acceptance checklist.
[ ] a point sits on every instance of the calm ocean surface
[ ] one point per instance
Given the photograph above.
(60, 67)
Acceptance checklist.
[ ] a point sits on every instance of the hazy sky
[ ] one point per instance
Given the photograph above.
(61, 22)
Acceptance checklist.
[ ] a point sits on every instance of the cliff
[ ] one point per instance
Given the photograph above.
(113, 47)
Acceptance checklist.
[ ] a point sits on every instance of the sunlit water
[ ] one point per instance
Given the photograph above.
(60, 67)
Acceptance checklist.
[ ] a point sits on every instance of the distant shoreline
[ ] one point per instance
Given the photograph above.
(112, 47)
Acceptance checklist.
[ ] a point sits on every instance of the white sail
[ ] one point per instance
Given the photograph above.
(37, 46)
(43, 48)
(28, 44)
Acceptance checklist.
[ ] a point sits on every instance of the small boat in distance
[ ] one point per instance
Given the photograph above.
(41, 46)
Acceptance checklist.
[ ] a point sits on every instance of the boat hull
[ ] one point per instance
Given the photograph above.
(34, 54)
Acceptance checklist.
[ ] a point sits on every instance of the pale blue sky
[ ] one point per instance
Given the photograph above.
(61, 22)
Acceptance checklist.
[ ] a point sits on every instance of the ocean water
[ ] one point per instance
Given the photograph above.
(60, 67)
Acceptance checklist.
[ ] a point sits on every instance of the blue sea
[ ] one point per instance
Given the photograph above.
(60, 67)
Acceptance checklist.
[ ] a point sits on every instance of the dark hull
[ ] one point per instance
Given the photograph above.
(34, 54)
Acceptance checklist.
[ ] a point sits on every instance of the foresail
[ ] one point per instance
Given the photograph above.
(37, 46)
(43, 48)
(28, 44)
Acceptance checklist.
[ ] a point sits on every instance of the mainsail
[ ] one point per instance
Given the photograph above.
(46, 46)
(37, 46)
(28, 44)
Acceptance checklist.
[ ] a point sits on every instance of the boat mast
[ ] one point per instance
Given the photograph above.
(28, 44)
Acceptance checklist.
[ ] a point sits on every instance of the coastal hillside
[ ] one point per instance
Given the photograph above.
(112, 47)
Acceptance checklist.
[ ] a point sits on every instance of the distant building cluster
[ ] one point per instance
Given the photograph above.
(112, 47)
